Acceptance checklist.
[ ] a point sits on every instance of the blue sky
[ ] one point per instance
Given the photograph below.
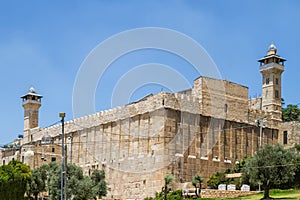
(43, 44)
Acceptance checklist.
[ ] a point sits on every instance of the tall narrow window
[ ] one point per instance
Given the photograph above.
(277, 81)
(267, 81)
(225, 108)
(285, 137)
(276, 94)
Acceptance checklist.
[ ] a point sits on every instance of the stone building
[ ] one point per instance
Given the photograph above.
(205, 129)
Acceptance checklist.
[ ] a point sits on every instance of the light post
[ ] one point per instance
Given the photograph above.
(70, 138)
(43, 159)
(62, 181)
(259, 122)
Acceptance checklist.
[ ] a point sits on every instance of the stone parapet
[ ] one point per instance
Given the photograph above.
(224, 193)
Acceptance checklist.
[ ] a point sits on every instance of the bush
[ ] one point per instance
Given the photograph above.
(174, 195)
(149, 198)
(216, 179)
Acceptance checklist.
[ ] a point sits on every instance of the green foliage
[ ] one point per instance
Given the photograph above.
(169, 179)
(220, 177)
(239, 166)
(37, 181)
(174, 195)
(217, 179)
(53, 180)
(13, 180)
(84, 189)
(271, 166)
(197, 181)
(99, 184)
(78, 186)
(296, 182)
(149, 198)
(290, 113)
(297, 147)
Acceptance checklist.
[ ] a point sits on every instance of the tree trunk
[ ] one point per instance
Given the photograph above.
(266, 192)
(200, 189)
(165, 192)
(36, 196)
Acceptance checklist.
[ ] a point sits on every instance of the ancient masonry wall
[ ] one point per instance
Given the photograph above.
(292, 130)
(138, 144)
(206, 145)
(255, 103)
(203, 131)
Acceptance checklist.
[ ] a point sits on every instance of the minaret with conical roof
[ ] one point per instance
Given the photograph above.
(271, 68)
(31, 105)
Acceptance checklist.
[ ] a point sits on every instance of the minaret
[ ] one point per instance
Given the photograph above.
(271, 68)
(31, 105)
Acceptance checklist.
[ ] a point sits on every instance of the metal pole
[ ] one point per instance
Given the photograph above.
(260, 122)
(71, 151)
(62, 115)
(260, 134)
(65, 173)
(43, 159)
(71, 141)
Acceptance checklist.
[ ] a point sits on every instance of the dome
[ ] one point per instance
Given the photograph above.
(46, 139)
(31, 90)
(272, 47)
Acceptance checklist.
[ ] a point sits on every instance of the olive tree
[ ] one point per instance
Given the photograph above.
(271, 166)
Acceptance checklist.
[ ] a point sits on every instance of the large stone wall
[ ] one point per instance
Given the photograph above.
(202, 131)
(293, 133)
(206, 145)
(221, 99)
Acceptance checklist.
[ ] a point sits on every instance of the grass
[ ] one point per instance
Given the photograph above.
(276, 194)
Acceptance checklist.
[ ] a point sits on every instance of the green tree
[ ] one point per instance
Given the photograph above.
(169, 179)
(13, 180)
(290, 113)
(99, 184)
(53, 180)
(37, 181)
(216, 179)
(78, 186)
(175, 195)
(270, 166)
(197, 181)
(77, 183)
(296, 182)
(85, 189)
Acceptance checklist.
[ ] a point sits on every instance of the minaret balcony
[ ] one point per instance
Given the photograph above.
(29, 101)
(271, 66)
